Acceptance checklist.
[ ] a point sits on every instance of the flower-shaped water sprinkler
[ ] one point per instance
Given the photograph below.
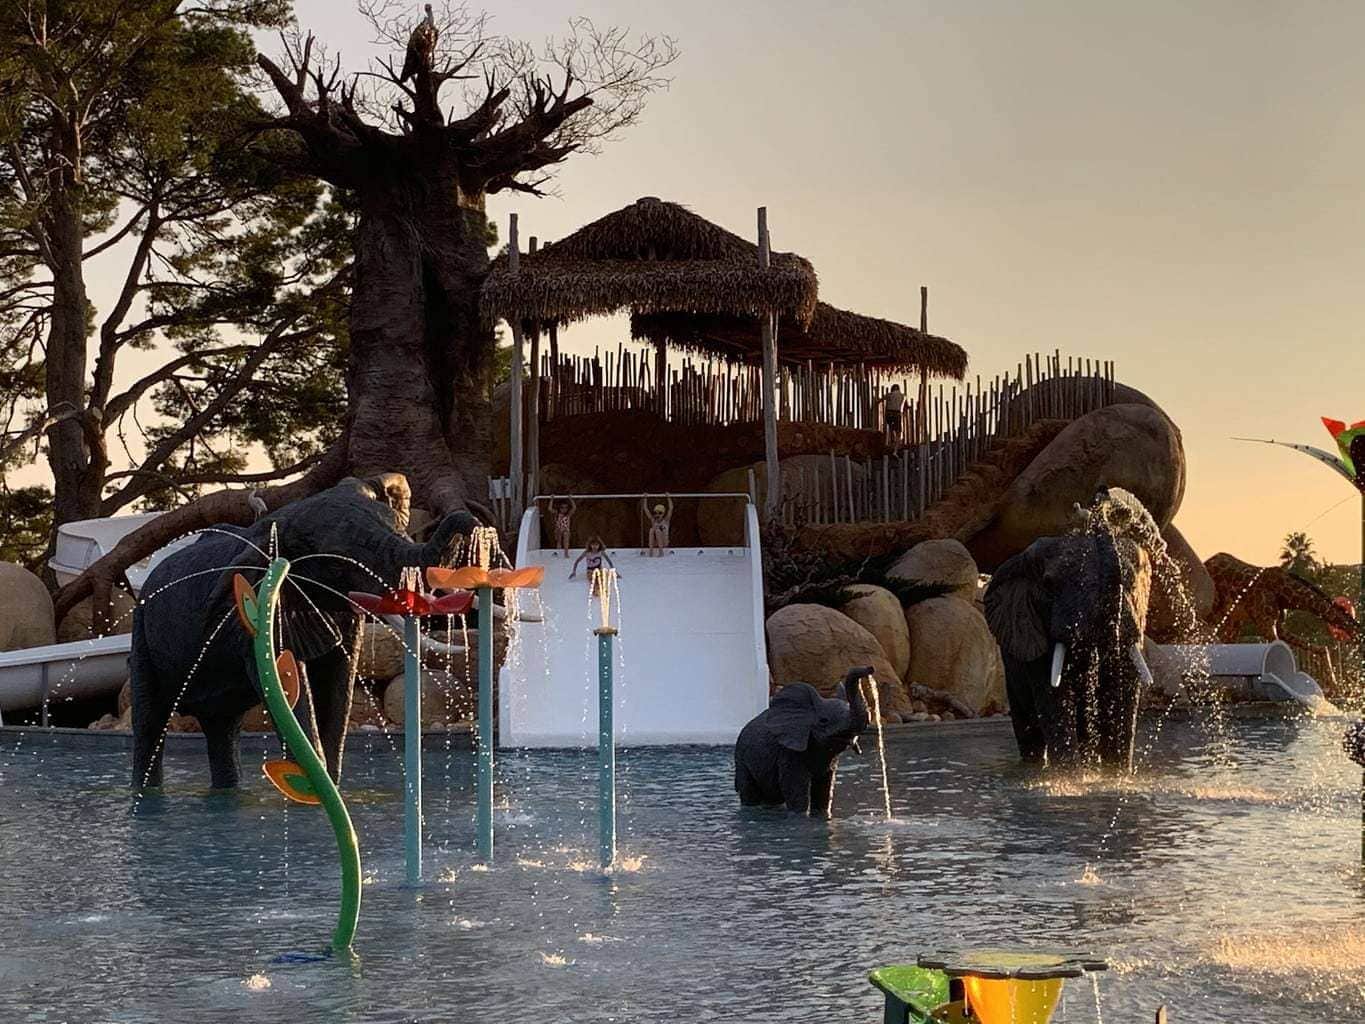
(482, 579)
(303, 778)
(409, 601)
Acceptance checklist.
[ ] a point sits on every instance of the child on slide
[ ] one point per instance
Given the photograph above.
(660, 520)
(596, 554)
(563, 509)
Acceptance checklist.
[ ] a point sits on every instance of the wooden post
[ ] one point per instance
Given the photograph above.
(922, 424)
(554, 369)
(533, 414)
(769, 377)
(516, 469)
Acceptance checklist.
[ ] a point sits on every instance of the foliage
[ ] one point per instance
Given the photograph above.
(1298, 555)
(231, 273)
(25, 523)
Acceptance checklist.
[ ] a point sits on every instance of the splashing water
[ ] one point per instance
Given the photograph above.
(876, 702)
(554, 960)
(1095, 988)
(256, 983)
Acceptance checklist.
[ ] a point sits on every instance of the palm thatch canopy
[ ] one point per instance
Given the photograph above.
(649, 257)
(832, 336)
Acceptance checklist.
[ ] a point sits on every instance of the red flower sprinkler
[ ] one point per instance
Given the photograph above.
(409, 601)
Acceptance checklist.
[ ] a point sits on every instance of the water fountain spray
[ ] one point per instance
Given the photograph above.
(482, 579)
(304, 779)
(601, 581)
(411, 602)
(1354, 745)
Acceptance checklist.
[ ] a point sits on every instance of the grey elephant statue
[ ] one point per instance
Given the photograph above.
(1069, 613)
(788, 754)
(191, 654)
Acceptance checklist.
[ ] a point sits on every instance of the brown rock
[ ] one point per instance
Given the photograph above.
(26, 618)
(445, 699)
(879, 612)
(367, 709)
(257, 719)
(125, 696)
(183, 723)
(1133, 446)
(940, 561)
(76, 625)
(952, 649)
(104, 723)
(1181, 588)
(810, 643)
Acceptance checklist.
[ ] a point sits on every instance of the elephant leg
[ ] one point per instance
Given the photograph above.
(751, 793)
(1118, 711)
(794, 780)
(151, 713)
(223, 734)
(1057, 719)
(1021, 679)
(822, 792)
(331, 685)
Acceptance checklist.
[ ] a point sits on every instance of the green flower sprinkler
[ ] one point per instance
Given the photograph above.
(304, 779)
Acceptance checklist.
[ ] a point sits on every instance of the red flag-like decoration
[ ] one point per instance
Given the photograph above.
(410, 602)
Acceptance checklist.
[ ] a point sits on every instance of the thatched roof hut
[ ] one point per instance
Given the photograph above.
(651, 256)
(832, 336)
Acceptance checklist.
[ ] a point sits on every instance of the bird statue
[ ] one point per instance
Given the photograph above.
(421, 46)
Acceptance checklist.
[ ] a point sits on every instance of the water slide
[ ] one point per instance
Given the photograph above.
(691, 663)
(81, 668)
(1270, 670)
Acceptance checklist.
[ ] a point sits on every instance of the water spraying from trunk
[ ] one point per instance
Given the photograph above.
(875, 701)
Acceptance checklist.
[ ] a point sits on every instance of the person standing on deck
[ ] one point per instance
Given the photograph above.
(894, 400)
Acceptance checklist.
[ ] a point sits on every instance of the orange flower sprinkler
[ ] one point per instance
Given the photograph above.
(483, 581)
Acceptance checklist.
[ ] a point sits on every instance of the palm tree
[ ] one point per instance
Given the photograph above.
(1298, 555)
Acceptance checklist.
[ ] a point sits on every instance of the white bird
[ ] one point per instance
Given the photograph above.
(421, 46)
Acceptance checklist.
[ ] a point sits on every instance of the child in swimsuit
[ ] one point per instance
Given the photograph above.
(660, 519)
(563, 509)
(596, 554)
(894, 400)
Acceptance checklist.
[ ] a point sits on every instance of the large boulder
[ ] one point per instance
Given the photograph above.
(445, 699)
(879, 612)
(76, 624)
(26, 618)
(1133, 446)
(952, 650)
(1181, 589)
(810, 643)
(940, 561)
(721, 524)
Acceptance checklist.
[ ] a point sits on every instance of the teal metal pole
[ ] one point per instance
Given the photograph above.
(606, 750)
(484, 780)
(412, 744)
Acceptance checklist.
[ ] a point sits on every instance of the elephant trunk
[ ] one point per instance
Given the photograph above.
(857, 705)
(1058, 663)
(1140, 663)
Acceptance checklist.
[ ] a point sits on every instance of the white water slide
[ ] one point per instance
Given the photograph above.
(690, 666)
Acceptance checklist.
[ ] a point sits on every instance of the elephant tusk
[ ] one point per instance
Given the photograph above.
(429, 646)
(500, 613)
(1141, 664)
(1058, 659)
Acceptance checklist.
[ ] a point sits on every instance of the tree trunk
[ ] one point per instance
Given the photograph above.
(68, 455)
(418, 347)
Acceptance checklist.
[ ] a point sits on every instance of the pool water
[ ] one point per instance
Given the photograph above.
(1223, 882)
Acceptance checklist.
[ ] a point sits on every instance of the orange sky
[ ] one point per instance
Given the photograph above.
(1175, 187)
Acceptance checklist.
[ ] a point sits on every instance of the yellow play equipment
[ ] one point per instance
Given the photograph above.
(992, 986)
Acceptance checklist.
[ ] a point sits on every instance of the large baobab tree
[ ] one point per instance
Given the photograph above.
(416, 173)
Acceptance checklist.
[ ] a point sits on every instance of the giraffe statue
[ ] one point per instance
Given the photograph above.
(1255, 600)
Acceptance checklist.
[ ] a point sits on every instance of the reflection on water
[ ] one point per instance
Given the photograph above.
(1226, 893)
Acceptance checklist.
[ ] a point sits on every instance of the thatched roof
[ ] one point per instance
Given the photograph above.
(833, 335)
(649, 257)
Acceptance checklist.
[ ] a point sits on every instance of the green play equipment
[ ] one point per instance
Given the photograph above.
(989, 985)
(303, 779)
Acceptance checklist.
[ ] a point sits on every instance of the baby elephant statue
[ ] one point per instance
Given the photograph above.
(788, 754)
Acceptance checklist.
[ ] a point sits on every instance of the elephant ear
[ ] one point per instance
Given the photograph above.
(792, 715)
(1016, 604)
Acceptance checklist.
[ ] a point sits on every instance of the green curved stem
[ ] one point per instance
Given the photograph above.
(306, 756)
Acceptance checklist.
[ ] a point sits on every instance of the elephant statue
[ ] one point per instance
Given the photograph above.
(1069, 613)
(788, 754)
(191, 654)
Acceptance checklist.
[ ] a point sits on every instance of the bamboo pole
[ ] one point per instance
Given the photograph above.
(769, 374)
(515, 470)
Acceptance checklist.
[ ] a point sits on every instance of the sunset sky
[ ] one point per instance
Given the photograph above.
(1175, 187)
